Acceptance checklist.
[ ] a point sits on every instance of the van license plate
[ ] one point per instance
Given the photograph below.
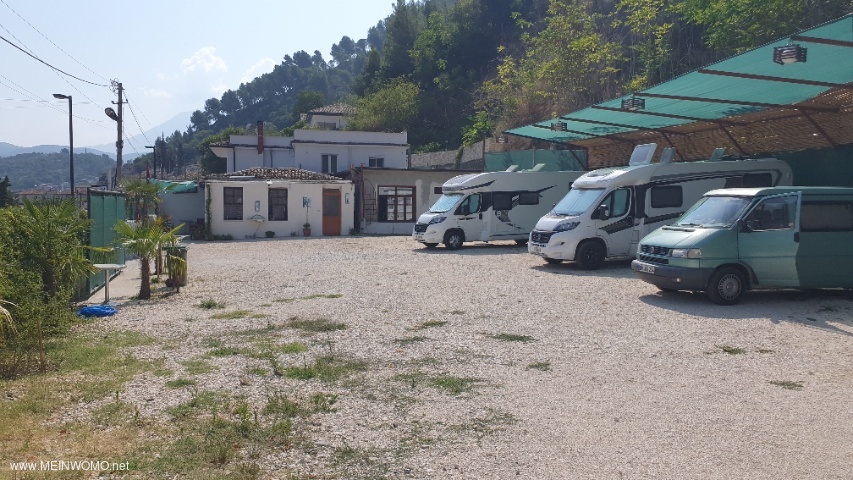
(642, 267)
(419, 236)
(535, 249)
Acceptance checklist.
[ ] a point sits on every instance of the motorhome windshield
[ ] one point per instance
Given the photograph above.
(577, 201)
(446, 202)
(714, 212)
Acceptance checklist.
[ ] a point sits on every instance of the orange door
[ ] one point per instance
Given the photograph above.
(331, 212)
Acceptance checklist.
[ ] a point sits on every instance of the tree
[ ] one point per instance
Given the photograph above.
(6, 197)
(144, 239)
(143, 194)
(306, 101)
(393, 108)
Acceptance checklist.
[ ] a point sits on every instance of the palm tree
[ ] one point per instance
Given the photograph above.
(144, 239)
(143, 193)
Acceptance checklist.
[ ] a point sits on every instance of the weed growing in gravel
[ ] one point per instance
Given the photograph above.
(236, 314)
(731, 350)
(327, 369)
(765, 350)
(210, 304)
(431, 324)
(494, 421)
(453, 385)
(410, 340)
(309, 297)
(259, 371)
(180, 382)
(457, 312)
(787, 384)
(315, 325)
(512, 337)
(361, 462)
(197, 367)
(541, 366)
(225, 352)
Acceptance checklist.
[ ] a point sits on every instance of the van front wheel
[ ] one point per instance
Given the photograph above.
(453, 239)
(727, 286)
(590, 255)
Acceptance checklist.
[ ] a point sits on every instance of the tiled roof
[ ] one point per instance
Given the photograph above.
(334, 109)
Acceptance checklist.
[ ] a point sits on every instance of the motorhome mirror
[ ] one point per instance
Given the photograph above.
(603, 212)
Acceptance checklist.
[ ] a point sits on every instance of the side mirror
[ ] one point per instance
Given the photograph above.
(603, 212)
(748, 225)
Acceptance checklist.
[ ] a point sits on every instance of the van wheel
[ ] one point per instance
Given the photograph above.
(521, 242)
(726, 286)
(453, 239)
(590, 255)
(430, 245)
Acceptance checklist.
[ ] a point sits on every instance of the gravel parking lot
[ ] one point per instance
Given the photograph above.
(486, 363)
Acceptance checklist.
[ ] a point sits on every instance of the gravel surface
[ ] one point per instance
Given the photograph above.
(569, 374)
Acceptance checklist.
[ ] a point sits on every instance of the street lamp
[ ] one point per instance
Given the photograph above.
(70, 136)
(153, 147)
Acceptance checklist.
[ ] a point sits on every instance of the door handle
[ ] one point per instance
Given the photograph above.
(797, 237)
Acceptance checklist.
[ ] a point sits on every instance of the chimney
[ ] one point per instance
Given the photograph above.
(260, 137)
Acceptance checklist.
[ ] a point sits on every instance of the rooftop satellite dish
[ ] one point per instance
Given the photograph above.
(642, 154)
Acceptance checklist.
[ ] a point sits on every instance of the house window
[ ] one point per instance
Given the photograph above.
(377, 162)
(277, 201)
(396, 204)
(233, 203)
(330, 164)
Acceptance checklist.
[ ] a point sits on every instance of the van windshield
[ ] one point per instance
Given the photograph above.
(446, 202)
(577, 201)
(714, 212)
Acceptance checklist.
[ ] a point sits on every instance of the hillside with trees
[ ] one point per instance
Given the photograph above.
(29, 170)
(451, 71)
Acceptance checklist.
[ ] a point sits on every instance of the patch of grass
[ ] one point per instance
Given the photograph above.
(452, 384)
(259, 371)
(431, 324)
(316, 325)
(197, 367)
(115, 414)
(180, 382)
(210, 304)
(236, 314)
(361, 462)
(787, 384)
(260, 315)
(512, 337)
(225, 352)
(308, 297)
(291, 348)
(541, 366)
(731, 350)
(200, 401)
(766, 350)
(410, 340)
(328, 369)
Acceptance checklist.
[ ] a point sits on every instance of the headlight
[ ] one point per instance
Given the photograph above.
(686, 253)
(565, 227)
(437, 220)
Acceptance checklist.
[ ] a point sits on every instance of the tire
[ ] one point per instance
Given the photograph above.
(553, 261)
(726, 286)
(454, 239)
(590, 255)
(521, 242)
(430, 245)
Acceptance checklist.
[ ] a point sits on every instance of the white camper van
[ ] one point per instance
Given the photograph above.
(609, 210)
(491, 206)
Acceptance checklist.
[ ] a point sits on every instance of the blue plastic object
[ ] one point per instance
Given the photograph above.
(97, 311)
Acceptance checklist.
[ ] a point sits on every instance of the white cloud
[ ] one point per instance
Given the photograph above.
(160, 77)
(154, 93)
(218, 89)
(264, 65)
(204, 59)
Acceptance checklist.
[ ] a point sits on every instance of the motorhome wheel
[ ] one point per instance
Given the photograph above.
(590, 255)
(553, 261)
(454, 239)
(726, 286)
(521, 242)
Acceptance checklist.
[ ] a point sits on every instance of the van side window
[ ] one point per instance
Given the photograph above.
(470, 205)
(528, 198)
(773, 214)
(502, 201)
(618, 202)
(826, 216)
(667, 196)
(755, 180)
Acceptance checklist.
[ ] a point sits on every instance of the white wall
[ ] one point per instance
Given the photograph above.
(182, 207)
(257, 191)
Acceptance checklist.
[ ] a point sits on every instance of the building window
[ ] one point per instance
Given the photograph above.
(233, 203)
(277, 201)
(377, 162)
(330, 164)
(396, 204)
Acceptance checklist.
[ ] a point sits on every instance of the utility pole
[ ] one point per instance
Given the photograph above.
(119, 140)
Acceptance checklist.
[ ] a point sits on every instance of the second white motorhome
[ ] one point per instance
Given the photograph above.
(491, 206)
(609, 210)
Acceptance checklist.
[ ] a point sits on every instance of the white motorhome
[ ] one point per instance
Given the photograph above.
(609, 210)
(491, 206)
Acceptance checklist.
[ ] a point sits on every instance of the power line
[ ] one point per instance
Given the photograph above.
(49, 65)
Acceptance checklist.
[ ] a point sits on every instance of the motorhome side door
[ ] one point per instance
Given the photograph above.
(614, 221)
(769, 238)
(469, 217)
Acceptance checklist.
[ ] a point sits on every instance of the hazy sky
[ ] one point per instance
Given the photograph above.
(170, 56)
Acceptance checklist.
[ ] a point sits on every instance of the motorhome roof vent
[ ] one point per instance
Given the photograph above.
(718, 154)
(602, 172)
(642, 154)
(666, 156)
(512, 168)
(537, 167)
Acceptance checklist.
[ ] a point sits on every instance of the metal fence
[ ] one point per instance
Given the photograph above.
(105, 209)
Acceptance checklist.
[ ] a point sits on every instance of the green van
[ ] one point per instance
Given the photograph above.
(737, 239)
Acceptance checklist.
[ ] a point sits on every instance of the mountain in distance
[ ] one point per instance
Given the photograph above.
(178, 122)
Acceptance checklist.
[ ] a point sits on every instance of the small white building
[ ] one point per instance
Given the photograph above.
(249, 203)
(318, 150)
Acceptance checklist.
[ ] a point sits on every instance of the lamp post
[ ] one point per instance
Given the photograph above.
(70, 136)
(154, 148)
